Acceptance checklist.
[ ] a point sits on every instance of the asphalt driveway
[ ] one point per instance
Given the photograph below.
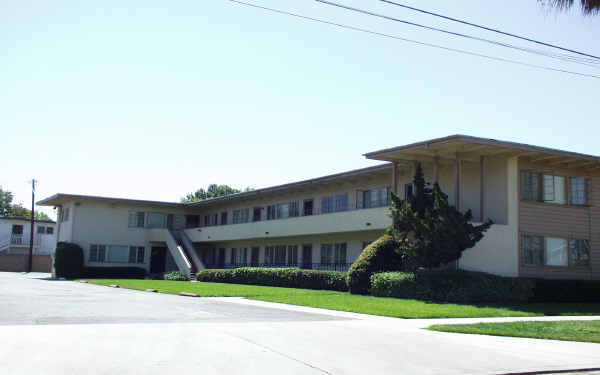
(62, 327)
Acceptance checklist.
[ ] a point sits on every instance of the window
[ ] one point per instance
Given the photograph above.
(49, 230)
(580, 252)
(136, 254)
(376, 197)
(283, 210)
(532, 250)
(271, 212)
(239, 256)
(223, 218)
(41, 230)
(136, 219)
(245, 215)
(543, 187)
(554, 189)
(340, 253)
(214, 219)
(341, 202)
(292, 255)
(236, 216)
(156, 220)
(256, 213)
(556, 251)
(326, 253)
(269, 254)
(280, 254)
(294, 209)
(97, 253)
(326, 205)
(118, 254)
(17, 229)
(578, 190)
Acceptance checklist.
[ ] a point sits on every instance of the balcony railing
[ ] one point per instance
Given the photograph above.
(303, 213)
(343, 267)
(20, 240)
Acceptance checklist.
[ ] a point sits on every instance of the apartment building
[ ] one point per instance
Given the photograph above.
(542, 202)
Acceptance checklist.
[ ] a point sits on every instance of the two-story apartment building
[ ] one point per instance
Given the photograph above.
(543, 203)
(15, 240)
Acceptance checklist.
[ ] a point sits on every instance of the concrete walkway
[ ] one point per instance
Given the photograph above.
(61, 327)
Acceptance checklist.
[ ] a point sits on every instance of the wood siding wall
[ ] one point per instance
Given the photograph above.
(564, 221)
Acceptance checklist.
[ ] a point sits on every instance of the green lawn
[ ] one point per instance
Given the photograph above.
(587, 331)
(400, 308)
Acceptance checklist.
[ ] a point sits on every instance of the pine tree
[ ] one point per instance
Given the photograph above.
(429, 230)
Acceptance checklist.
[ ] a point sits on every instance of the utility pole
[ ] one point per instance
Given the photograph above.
(30, 267)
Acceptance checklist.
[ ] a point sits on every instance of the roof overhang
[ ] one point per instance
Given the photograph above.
(472, 148)
(61, 199)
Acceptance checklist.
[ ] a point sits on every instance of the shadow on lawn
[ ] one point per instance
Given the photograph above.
(552, 308)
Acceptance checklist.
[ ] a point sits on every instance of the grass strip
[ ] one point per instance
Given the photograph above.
(571, 330)
(341, 301)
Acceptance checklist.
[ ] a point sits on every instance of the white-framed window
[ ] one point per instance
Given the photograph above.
(292, 255)
(49, 230)
(156, 220)
(340, 253)
(97, 253)
(327, 204)
(376, 197)
(543, 187)
(580, 252)
(341, 202)
(554, 189)
(294, 209)
(245, 215)
(280, 254)
(326, 253)
(136, 219)
(41, 230)
(269, 254)
(136, 254)
(556, 252)
(272, 212)
(236, 216)
(578, 190)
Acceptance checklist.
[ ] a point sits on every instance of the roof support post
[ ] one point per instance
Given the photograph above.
(482, 159)
(457, 181)
(395, 177)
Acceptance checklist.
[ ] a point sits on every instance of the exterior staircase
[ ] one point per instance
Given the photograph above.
(188, 251)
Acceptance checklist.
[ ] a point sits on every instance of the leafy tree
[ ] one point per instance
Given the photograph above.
(213, 191)
(6, 198)
(429, 231)
(589, 7)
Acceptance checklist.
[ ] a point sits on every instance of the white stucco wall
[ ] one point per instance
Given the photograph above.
(498, 251)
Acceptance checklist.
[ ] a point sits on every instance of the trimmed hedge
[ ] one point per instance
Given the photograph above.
(113, 273)
(68, 260)
(476, 287)
(283, 277)
(175, 276)
(379, 256)
(452, 286)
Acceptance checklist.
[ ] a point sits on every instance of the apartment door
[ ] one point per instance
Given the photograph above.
(158, 259)
(307, 256)
(254, 256)
(308, 207)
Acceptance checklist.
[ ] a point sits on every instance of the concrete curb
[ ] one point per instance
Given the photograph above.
(185, 294)
(151, 290)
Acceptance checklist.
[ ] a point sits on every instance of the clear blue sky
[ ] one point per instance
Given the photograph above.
(159, 98)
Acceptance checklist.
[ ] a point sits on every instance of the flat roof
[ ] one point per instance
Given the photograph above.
(27, 220)
(469, 146)
(60, 198)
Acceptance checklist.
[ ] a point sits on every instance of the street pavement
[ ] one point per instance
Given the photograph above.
(63, 327)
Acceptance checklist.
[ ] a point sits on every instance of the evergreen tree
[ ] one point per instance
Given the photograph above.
(430, 231)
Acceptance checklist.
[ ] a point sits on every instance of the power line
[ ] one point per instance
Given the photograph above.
(348, 27)
(489, 29)
(562, 57)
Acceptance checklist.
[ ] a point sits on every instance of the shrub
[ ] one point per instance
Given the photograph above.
(283, 277)
(175, 276)
(114, 272)
(546, 290)
(379, 256)
(68, 260)
(452, 286)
